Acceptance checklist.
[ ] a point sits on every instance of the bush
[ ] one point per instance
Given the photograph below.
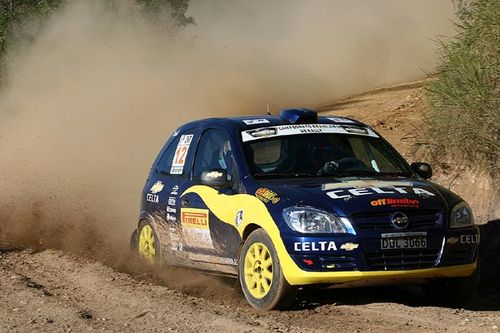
(464, 116)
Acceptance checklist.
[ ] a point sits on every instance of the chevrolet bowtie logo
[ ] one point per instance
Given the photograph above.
(214, 174)
(157, 187)
(349, 246)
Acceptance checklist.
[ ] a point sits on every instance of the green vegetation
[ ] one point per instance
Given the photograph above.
(15, 13)
(464, 116)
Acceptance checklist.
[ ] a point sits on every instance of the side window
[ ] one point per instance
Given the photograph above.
(165, 163)
(215, 152)
(174, 159)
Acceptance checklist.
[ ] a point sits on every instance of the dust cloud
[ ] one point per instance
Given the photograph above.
(90, 101)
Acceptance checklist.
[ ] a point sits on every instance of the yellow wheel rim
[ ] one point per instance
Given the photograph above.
(258, 270)
(147, 243)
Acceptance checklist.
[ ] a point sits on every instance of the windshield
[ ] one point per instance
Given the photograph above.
(322, 155)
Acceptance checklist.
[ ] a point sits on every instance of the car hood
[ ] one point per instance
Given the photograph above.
(349, 196)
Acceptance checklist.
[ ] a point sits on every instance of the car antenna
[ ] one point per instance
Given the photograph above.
(256, 74)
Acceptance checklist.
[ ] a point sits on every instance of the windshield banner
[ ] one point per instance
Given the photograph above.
(283, 130)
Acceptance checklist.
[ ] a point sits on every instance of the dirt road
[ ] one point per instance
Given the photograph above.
(51, 290)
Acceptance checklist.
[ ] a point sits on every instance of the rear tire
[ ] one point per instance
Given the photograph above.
(148, 244)
(260, 274)
(452, 292)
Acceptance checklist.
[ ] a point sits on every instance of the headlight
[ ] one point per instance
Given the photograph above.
(461, 216)
(312, 220)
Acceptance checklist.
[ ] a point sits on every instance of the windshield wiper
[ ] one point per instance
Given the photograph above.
(283, 174)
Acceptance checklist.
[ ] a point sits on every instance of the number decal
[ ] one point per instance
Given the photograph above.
(181, 154)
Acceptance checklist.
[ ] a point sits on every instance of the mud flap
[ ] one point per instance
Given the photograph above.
(134, 241)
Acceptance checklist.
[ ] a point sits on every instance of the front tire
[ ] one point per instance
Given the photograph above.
(452, 292)
(260, 274)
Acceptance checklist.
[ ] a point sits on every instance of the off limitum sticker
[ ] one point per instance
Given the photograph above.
(396, 202)
(266, 195)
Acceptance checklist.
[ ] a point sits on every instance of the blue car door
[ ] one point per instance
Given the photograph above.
(211, 243)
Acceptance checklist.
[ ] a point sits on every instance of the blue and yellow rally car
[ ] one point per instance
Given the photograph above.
(299, 199)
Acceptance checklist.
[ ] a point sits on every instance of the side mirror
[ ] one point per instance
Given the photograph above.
(424, 170)
(216, 178)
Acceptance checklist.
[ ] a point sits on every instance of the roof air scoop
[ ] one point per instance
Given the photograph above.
(299, 116)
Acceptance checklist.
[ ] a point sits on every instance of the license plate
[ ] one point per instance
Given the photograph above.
(403, 243)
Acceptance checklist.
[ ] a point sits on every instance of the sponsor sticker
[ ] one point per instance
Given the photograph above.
(349, 193)
(239, 218)
(195, 228)
(469, 239)
(175, 240)
(396, 202)
(171, 201)
(175, 190)
(341, 120)
(363, 183)
(260, 133)
(283, 130)
(356, 130)
(171, 210)
(314, 246)
(266, 195)
(152, 198)
(214, 174)
(255, 121)
(181, 154)
(349, 246)
(157, 187)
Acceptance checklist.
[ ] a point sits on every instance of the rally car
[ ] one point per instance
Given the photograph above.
(298, 199)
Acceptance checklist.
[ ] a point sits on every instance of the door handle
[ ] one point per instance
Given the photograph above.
(184, 202)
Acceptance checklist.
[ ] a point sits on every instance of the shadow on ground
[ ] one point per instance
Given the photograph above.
(488, 294)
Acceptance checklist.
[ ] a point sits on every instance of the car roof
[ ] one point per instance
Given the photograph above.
(250, 122)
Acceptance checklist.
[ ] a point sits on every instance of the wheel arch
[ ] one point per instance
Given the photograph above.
(251, 227)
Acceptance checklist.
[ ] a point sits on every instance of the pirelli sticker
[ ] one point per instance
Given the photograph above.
(284, 130)
(196, 228)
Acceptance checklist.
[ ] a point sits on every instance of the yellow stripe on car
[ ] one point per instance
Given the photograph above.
(226, 207)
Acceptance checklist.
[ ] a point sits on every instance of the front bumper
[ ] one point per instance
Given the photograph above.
(314, 260)
(303, 278)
